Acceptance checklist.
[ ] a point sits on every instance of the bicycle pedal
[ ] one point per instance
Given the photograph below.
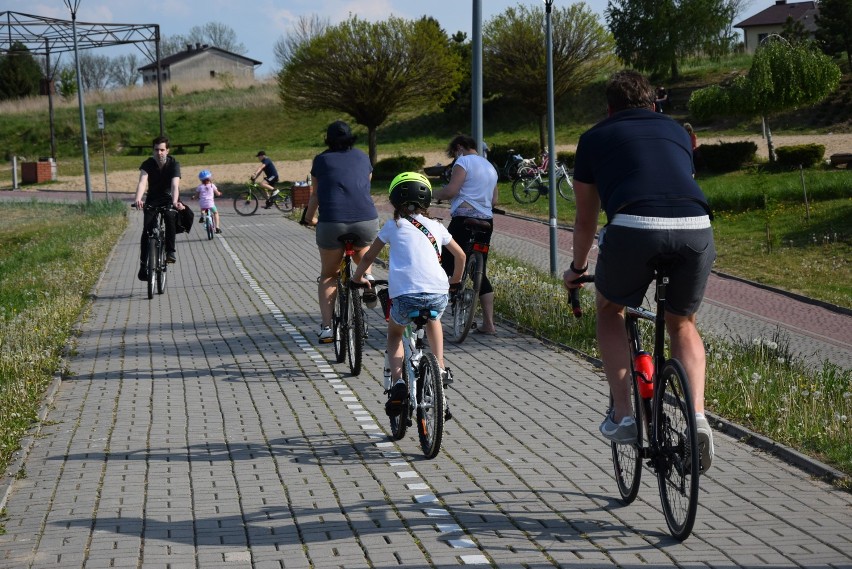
(447, 415)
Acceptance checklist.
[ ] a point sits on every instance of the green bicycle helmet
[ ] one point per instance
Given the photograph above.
(410, 188)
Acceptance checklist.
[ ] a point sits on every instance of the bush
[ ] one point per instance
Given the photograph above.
(499, 153)
(566, 158)
(727, 156)
(388, 168)
(806, 155)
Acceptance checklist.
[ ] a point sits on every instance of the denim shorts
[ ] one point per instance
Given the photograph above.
(403, 304)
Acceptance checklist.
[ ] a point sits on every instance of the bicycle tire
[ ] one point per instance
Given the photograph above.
(430, 405)
(161, 268)
(677, 459)
(399, 424)
(152, 266)
(565, 187)
(338, 325)
(512, 171)
(467, 297)
(627, 459)
(208, 225)
(525, 189)
(355, 331)
(246, 203)
(283, 200)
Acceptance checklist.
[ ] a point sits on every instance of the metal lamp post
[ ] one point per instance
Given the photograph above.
(73, 5)
(551, 141)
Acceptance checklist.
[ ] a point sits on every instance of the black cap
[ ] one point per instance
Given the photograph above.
(338, 129)
(259, 154)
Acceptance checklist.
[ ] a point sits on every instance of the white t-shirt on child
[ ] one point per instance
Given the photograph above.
(414, 266)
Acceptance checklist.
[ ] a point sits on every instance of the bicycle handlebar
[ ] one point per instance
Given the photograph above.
(375, 283)
(574, 294)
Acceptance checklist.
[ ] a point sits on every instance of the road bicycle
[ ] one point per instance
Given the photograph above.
(248, 199)
(427, 401)
(157, 265)
(464, 300)
(207, 222)
(348, 323)
(531, 182)
(665, 417)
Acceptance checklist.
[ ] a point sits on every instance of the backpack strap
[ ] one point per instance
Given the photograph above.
(427, 233)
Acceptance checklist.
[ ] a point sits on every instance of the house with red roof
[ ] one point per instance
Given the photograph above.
(771, 21)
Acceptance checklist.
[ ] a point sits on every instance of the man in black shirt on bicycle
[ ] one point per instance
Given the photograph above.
(637, 165)
(160, 174)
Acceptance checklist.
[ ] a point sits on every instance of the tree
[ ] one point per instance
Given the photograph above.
(95, 71)
(218, 35)
(834, 28)
(302, 32)
(782, 76)
(20, 73)
(371, 71)
(653, 35)
(124, 70)
(794, 31)
(67, 82)
(515, 59)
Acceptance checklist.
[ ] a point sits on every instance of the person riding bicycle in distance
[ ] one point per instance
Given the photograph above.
(637, 165)
(206, 192)
(160, 175)
(416, 280)
(270, 177)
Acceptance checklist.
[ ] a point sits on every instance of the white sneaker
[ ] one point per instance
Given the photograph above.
(326, 335)
(623, 433)
(705, 441)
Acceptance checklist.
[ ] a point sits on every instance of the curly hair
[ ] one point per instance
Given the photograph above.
(628, 89)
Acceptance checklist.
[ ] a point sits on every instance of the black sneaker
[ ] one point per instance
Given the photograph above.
(218, 230)
(369, 295)
(397, 399)
(143, 273)
(447, 376)
(170, 257)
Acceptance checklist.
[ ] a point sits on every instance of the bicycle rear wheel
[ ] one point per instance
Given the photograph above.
(525, 189)
(565, 187)
(354, 331)
(430, 405)
(677, 461)
(467, 296)
(152, 266)
(627, 459)
(338, 325)
(399, 424)
(161, 268)
(245, 203)
(283, 200)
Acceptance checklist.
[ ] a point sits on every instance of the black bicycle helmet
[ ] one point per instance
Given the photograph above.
(410, 188)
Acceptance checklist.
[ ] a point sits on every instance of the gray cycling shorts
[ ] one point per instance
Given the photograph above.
(328, 232)
(624, 269)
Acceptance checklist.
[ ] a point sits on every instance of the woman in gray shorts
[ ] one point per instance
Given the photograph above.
(340, 184)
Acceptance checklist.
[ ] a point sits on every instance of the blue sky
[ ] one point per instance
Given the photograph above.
(260, 23)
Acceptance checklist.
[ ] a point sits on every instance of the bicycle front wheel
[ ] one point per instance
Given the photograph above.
(565, 187)
(354, 331)
(677, 460)
(245, 203)
(152, 266)
(467, 296)
(338, 325)
(283, 200)
(430, 405)
(525, 189)
(208, 224)
(161, 268)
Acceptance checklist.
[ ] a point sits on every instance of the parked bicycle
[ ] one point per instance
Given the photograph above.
(531, 181)
(664, 413)
(348, 323)
(510, 170)
(207, 222)
(157, 265)
(248, 199)
(464, 300)
(427, 402)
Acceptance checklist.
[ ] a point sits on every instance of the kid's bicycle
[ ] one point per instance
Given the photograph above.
(464, 300)
(248, 199)
(427, 402)
(665, 417)
(207, 222)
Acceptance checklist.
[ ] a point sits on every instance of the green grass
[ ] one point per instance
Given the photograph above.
(50, 257)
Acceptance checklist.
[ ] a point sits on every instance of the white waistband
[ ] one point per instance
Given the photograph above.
(642, 222)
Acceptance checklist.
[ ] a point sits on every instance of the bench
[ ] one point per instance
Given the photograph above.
(177, 148)
(844, 158)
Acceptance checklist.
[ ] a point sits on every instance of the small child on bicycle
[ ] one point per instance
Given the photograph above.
(205, 193)
(416, 280)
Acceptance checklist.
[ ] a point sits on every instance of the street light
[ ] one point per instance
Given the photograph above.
(73, 5)
(551, 140)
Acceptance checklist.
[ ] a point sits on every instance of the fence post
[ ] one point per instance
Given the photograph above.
(805, 192)
(14, 172)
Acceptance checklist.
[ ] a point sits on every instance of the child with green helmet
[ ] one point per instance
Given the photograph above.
(416, 280)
